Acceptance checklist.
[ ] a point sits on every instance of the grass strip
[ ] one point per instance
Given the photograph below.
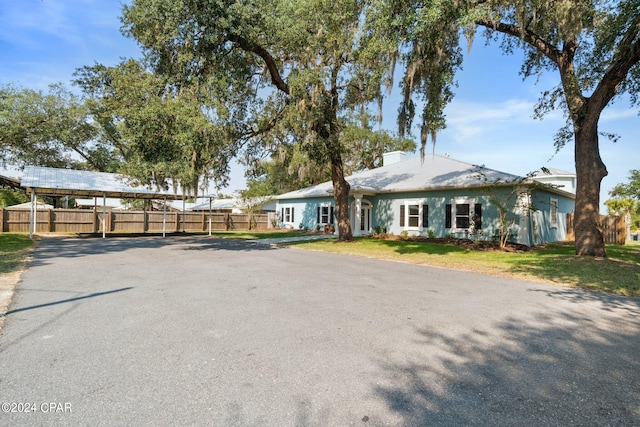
(14, 249)
(619, 273)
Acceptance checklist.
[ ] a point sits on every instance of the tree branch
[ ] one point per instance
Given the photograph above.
(266, 127)
(563, 58)
(269, 60)
(88, 158)
(528, 36)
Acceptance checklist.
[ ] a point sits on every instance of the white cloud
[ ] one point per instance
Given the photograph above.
(610, 114)
(468, 120)
(25, 24)
(465, 111)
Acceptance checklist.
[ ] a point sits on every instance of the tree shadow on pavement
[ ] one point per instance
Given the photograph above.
(607, 302)
(555, 369)
(51, 248)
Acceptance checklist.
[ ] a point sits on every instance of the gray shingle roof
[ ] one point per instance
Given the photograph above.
(67, 182)
(434, 173)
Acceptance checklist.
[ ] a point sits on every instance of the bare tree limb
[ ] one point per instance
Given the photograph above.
(528, 36)
(269, 60)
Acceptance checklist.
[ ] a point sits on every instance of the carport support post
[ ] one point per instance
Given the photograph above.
(164, 218)
(209, 216)
(104, 215)
(32, 215)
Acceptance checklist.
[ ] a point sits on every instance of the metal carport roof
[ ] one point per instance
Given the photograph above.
(67, 182)
(45, 181)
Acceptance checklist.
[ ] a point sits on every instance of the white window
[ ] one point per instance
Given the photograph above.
(553, 212)
(325, 215)
(461, 215)
(288, 215)
(414, 215)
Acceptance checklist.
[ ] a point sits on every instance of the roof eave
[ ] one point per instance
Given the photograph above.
(95, 193)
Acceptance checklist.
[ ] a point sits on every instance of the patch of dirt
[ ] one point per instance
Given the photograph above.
(473, 245)
(8, 283)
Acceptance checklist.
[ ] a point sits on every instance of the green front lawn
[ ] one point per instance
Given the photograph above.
(14, 249)
(556, 263)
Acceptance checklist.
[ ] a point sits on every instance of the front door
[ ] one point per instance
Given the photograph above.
(365, 219)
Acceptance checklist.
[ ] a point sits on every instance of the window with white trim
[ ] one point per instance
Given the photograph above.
(325, 215)
(461, 216)
(288, 215)
(414, 215)
(553, 212)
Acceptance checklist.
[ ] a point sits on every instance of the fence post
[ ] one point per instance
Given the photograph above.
(2, 219)
(621, 230)
(50, 220)
(109, 222)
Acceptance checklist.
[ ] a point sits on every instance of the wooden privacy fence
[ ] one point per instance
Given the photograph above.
(90, 221)
(614, 228)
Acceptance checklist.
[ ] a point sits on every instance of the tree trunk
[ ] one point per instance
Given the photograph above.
(341, 193)
(590, 170)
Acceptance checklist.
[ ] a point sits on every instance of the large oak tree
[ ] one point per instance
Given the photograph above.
(126, 120)
(593, 45)
(52, 128)
(163, 135)
(291, 65)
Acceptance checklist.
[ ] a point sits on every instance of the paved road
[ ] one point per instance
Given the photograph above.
(203, 331)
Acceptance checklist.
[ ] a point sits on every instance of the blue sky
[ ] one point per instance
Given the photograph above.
(489, 121)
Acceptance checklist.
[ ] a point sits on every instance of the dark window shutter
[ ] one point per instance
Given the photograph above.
(318, 216)
(282, 215)
(477, 210)
(331, 215)
(447, 216)
(401, 215)
(425, 216)
(292, 220)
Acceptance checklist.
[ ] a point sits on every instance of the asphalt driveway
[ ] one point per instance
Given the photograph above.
(204, 331)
